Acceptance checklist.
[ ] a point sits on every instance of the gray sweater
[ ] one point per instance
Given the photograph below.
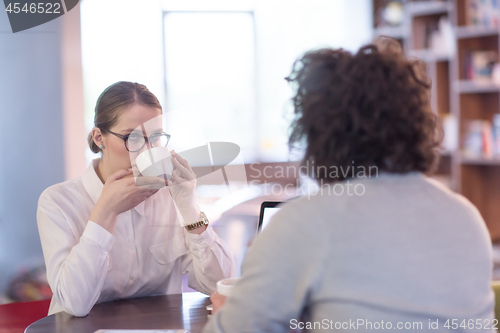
(408, 253)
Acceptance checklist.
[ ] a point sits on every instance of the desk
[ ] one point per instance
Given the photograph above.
(177, 311)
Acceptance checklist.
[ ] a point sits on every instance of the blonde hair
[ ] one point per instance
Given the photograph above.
(113, 100)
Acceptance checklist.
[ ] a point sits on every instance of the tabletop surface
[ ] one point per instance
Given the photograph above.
(180, 311)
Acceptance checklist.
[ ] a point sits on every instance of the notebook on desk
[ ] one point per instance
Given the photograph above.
(267, 210)
(141, 331)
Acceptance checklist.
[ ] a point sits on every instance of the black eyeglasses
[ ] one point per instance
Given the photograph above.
(135, 142)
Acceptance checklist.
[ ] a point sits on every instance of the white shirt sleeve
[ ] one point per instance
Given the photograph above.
(209, 261)
(76, 266)
(146, 255)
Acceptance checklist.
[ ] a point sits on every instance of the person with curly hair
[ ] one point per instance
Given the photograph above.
(404, 254)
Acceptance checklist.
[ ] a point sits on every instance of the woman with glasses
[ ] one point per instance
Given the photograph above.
(104, 237)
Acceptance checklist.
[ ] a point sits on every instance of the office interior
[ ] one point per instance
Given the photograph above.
(219, 66)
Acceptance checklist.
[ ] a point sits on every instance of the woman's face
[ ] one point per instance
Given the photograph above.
(115, 154)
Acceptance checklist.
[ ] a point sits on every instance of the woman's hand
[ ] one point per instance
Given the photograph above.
(182, 187)
(217, 301)
(120, 193)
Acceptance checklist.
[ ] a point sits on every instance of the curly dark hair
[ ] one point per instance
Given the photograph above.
(369, 109)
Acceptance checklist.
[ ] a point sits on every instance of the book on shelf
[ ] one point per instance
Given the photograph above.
(479, 65)
(483, 13)
(482, 139)
(450, 131)
(442, 40)
(496, 135)
(438, 40)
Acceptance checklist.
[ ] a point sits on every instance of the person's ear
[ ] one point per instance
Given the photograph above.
(98, 137)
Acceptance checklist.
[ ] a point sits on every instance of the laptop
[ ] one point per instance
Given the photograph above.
(267, 210)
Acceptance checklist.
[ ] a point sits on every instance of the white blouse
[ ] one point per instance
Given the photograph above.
(147, 254)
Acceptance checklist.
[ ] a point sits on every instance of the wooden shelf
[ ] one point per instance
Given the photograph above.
(480, 183)
(444, 166)
(474, 87)
(399, 32)
(428, 8)
(476, 178)
(464, 32)
(429, 55)
(480, 161)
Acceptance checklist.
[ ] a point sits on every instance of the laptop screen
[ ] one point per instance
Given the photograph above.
(267, 210)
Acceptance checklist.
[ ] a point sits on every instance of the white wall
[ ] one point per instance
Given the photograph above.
(121, 41)
(31, 143)
(125, 43)
(285, 29)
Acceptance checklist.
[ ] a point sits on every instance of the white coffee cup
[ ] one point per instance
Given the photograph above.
(155, 162)
(225, 286)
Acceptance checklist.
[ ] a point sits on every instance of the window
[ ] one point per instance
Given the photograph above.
(210, 68)
(228, 59)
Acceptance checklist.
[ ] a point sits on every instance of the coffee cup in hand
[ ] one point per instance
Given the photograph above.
(154, 162)
(225, 286)
(150, 183)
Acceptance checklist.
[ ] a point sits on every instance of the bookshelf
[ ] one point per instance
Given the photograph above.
(478, 176)
(471, 87)
(420, 20)
(397, 31)
(454, 94)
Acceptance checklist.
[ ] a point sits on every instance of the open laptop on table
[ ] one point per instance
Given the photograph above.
(267, 210)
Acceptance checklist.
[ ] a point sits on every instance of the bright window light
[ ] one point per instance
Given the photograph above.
(225, 58)
(210, 65)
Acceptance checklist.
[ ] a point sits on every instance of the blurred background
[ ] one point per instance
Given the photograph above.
(226, 60)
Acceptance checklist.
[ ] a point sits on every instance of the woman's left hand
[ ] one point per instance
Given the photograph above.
(182, 187)
(217, 301)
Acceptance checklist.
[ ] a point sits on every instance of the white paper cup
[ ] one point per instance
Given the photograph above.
(225, 286)
(155, 162)
(150, 183)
